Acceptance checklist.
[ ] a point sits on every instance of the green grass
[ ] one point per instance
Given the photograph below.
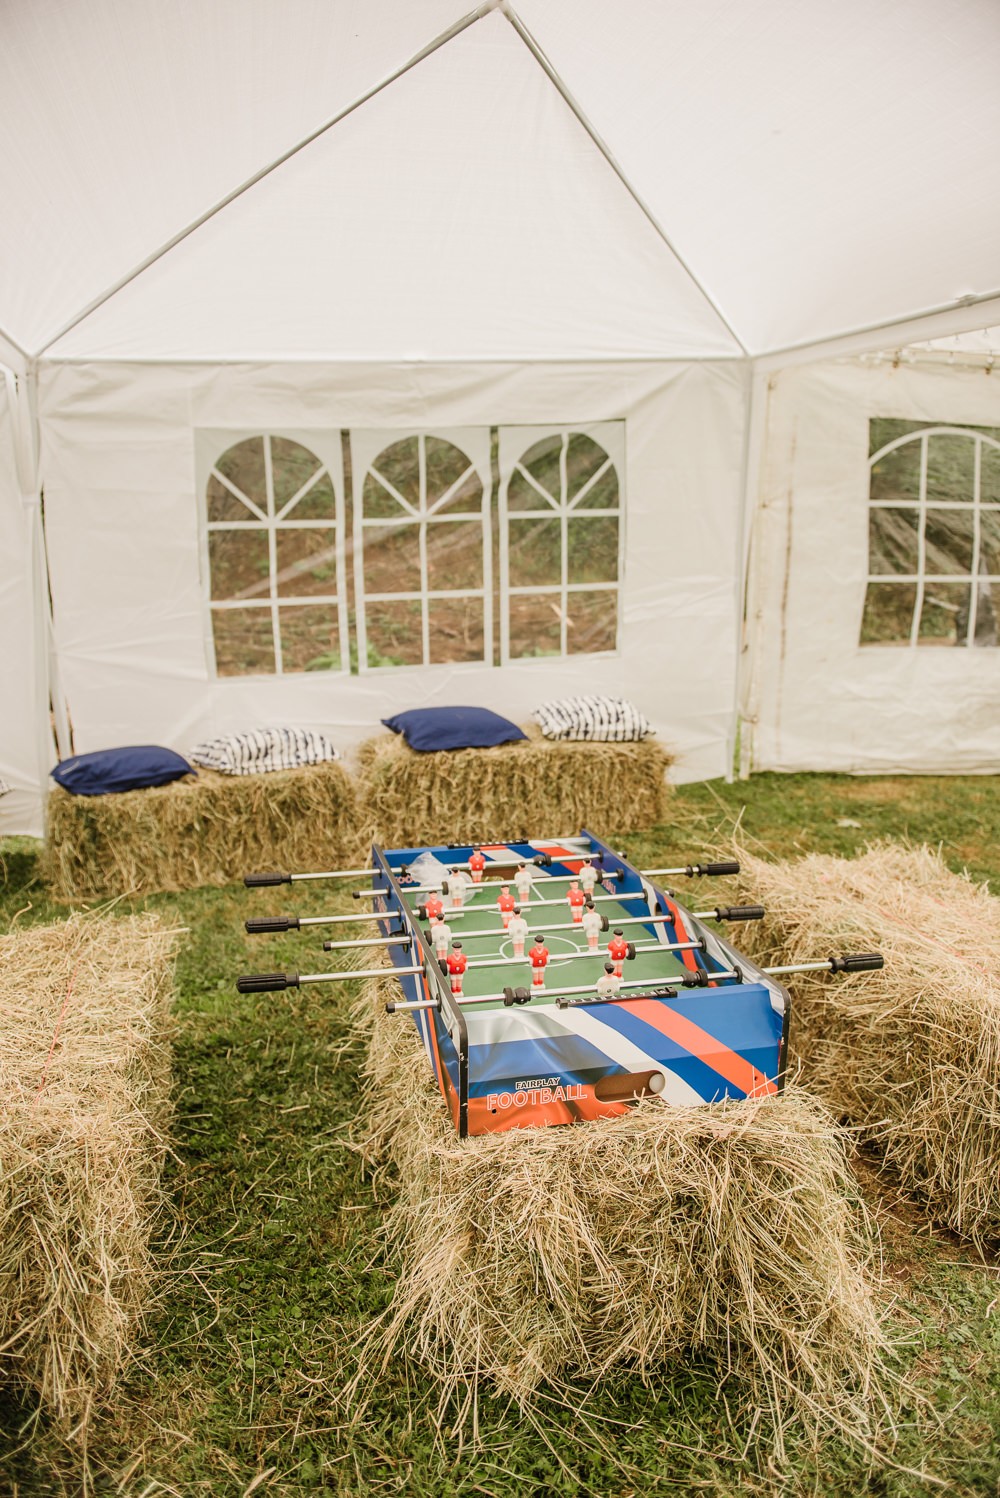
(272, 1266)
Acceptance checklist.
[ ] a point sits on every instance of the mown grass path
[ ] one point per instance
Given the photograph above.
(272, 1266)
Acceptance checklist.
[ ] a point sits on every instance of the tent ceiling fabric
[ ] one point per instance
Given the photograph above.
(462, 212)
(820, 168)
(127, 119)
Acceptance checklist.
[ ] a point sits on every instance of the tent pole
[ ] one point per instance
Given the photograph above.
(555, 78)
(12, 354)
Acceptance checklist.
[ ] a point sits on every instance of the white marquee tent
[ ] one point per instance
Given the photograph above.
(671, 227)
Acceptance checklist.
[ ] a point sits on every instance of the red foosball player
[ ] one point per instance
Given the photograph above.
(517, 930)
(457, 963)
(593, 924)
(577, 900)
(618, 951)
(477, 864)
(538, 957)
(433, 907)
(505, 904)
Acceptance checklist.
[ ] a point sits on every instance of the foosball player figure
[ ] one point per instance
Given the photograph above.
(577, 900)
(477, 864)
(506, 905)
(457, 883)
(440, 936)
(538, 957)
(517, 930)
(593, 924)
(609, 983)
(618, 951)
(588, 876)
(432, 908)
(457, 963)
(524, 878)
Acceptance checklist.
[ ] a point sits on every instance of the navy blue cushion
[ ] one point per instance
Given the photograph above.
(428, 728)
(128, 769)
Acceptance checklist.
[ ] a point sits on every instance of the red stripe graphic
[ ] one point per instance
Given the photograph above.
(708, 1048)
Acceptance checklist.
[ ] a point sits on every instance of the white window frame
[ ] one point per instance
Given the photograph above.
(366, 446)
(210, 445)
(921, 506)
(515, 442)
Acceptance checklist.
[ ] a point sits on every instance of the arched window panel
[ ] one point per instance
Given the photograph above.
(273, 554)
(561, 515)
(933, 535)
(422, 534)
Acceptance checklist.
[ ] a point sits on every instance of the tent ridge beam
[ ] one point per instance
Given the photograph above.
(484, 9)
(362, 360)
(907, 325)
(555, 78)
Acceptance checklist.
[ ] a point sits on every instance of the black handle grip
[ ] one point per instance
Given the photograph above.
(729, 866)
(740, 913)
(257, 881)
(543, 860)
(267, 982)
(258, 925)
(858, 962)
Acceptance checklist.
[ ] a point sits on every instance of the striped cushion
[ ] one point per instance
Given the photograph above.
(606, 720)
(262, 750)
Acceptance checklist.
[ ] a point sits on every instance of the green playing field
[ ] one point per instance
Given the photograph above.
(570, 961)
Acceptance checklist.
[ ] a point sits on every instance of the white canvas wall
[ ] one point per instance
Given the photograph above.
(123, 535)
(25, 751)
(814, 698)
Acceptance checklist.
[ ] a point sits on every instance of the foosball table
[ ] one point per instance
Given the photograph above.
(552, 982)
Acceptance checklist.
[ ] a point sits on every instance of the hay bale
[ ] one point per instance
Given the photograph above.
(535, 787)
(533, 1255)
(911, 1054)
(84, 1076)
(204, 829)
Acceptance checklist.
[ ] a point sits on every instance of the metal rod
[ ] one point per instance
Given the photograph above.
(336, 874)
(369, 941)
(541, 882)
(659, 946)
(549, 993)
(367, 972)
(535, 926)
(362, 915)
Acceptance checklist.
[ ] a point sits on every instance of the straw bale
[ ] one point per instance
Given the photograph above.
(911, 1054)
(729, 1231)
(204, 829)
(84, 1076)
(533, 788)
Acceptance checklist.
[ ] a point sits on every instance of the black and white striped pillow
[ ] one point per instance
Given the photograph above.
(606, 720)
(263, 750)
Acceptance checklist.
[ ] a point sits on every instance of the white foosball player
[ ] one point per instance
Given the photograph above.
(524, 878)
(587, 877)
(609, 985)
(457, 886)
(440, 936)
(517, 930)
(593, 925)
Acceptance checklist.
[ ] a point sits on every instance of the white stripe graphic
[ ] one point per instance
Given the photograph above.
(619, 1048)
